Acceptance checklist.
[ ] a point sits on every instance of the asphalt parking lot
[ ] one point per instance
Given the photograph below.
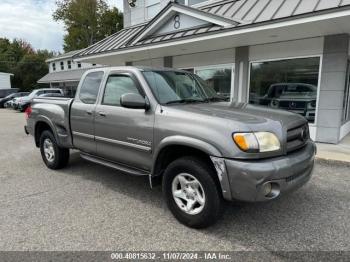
(89, 207)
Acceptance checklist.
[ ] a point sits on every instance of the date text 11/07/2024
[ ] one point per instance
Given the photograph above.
(170, 256)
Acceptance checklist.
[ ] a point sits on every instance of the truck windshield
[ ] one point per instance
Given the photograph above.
(172, 87)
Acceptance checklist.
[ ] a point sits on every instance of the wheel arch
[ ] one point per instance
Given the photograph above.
(187, 146)
(41, 125)
(172, 148)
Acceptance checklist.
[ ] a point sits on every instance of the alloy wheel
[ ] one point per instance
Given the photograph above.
(188, 193)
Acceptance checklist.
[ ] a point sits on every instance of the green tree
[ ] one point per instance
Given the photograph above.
(28, 66)
(5, 46)
(86, 21)
(31, 68)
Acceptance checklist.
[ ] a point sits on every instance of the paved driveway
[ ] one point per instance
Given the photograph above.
(89, 207)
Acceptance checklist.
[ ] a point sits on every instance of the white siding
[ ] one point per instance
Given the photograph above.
(5, 81)
(296, 48)
(65, 63)
(138, 14)
(156, 62)
(226, 56)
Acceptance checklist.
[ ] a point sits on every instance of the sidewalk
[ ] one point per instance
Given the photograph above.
(340, 152)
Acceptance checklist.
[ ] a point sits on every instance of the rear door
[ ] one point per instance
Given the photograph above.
(123, 135)
(83, 113)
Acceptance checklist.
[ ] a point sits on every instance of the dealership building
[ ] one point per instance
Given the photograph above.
(65, 73)
(283, 54)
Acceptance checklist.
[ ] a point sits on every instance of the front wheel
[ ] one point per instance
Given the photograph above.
(54, 156)
(191, 192)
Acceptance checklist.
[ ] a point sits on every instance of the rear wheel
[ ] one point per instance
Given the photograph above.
(191, 192)
(54, 156)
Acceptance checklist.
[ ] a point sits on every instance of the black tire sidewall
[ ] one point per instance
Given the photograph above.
(203, 173)
(54, 164)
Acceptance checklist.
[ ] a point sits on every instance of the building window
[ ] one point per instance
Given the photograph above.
(218, 77)
(69, 64)
(54, 66)
(79, 65)
(152, 8)
(289, 84)
(62, 65)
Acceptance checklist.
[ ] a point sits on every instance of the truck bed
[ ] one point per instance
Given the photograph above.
(54, 111)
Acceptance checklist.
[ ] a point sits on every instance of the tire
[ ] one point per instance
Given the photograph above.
(54, 157)
(191, 169)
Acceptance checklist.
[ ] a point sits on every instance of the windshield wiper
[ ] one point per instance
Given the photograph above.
(185, 101)
(217, 99)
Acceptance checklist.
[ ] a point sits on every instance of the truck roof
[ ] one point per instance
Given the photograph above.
(140, 68)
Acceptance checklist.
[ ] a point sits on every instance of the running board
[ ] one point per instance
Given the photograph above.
(119, 167)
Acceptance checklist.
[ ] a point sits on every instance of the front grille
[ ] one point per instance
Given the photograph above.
(292, 104)
(297, 137)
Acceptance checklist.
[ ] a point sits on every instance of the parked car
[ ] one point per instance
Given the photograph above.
(9, 103)
(299, 98)
(10, 97)
(150, 122)
(24, 102)
(15, 101)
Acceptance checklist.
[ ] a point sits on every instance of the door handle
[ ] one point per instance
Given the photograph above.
(89, 112)
(102, 113)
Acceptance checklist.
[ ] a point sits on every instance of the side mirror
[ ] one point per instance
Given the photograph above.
(135, 101)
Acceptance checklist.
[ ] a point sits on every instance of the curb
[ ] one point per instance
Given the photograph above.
(329, 161)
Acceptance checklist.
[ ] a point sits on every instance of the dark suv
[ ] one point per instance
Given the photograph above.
(10, 97)
(298, 98)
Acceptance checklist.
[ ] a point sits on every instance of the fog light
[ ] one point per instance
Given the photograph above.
(267, 189)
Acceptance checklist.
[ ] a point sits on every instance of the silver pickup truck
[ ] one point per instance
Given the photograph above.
(169, 125)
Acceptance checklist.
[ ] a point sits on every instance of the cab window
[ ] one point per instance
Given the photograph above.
(89, 89)
(116, 86)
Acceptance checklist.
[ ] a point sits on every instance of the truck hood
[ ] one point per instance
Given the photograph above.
(244, 113)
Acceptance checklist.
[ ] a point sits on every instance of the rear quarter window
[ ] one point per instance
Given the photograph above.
(90, 87)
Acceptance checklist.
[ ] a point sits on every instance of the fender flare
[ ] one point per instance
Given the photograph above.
(47, 121)
(214, 154)
(184, 141)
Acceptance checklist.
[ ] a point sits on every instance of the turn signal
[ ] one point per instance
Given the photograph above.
(246, 142)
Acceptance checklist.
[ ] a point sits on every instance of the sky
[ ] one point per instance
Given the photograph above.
(32, 21)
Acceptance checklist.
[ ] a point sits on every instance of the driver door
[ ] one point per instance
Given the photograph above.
(123, 135)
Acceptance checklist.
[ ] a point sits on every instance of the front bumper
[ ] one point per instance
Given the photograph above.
(244, 180)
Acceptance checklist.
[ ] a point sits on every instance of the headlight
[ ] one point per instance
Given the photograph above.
(274, 103)
(312, 104)
(257, 142)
